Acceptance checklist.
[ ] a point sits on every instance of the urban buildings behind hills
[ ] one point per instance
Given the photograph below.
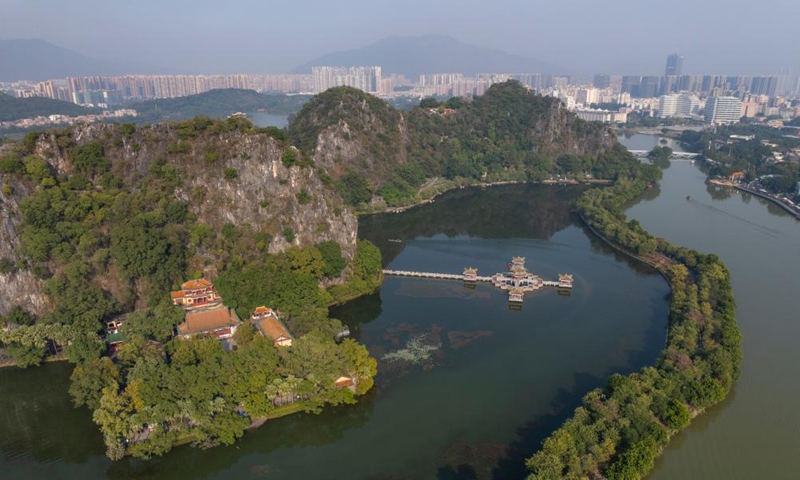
(671, 95)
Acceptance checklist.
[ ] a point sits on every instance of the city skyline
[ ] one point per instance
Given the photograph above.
(256, 38)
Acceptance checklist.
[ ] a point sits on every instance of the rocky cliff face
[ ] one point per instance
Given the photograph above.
(348, 130)
(225, 177)
(507, 133)
(17, 287)
(228, 177)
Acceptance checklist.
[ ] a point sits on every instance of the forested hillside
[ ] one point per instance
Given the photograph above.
(101, 222)
(214, 103)
(509, 133)
(18, 108)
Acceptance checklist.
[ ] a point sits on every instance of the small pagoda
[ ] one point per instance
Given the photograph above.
(470, 274)
(516, 295)
(564, 280)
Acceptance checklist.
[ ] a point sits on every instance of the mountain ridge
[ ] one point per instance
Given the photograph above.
(37, 59)
(416, 55)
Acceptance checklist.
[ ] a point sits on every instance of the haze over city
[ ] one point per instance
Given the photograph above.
(583, 36)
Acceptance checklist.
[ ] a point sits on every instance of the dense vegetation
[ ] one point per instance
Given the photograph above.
(108, 243)
(215, 103)
(753, 157)
(619, 430)
(509, 133)
(193, 391)
(12, 108)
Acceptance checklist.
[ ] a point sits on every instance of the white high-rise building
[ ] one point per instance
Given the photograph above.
(588, 96)
(667, 106)
(678, 105)
(367, 79)
(723, 110)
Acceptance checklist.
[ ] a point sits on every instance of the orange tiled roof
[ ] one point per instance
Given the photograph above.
(178, 294)
(344, 382)
(262, 310)
(272, 328)
(208, 320)
(196, 284)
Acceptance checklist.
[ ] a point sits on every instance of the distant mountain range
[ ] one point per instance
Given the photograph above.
(413, 56)
(36, 59)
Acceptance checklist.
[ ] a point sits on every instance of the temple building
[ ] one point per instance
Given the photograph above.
(564, 280)
(195, 294)
(269, 325)
(219, 321)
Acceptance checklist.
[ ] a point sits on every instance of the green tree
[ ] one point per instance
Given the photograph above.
(84, 348)
(89, 379)
(25, 355)
(354, 189)
(332, 257)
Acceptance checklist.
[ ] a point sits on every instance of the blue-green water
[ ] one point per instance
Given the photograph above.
(266, 119)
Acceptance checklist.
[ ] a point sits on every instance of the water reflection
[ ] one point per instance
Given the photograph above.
(513, 211)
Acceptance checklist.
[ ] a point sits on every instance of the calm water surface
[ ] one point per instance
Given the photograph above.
(756, 432)
(647, 142)
(498, 383)
(265, 119)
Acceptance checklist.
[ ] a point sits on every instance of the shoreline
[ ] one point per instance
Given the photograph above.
(765, 196)
(636, 460)
(429, 200)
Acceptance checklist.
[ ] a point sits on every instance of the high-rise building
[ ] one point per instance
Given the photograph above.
(723, 110)
(764, 86)
(674, 65)
(649, 87)
(678, 105)
(367, 79)
(587, 96)
(601, 80)
(630, 84)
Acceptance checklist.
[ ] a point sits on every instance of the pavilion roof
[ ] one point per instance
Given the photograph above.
(208, 320)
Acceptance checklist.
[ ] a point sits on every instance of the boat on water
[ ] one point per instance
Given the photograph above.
(395, 240)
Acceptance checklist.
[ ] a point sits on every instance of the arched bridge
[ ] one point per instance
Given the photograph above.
(675, 155)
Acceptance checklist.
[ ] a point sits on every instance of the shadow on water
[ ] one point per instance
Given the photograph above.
(530, 436)
(296, 431)
(510, 211)
(357, 312)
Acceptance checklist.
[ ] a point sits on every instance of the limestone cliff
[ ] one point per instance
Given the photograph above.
(224, 175)
(507, 133)
(349, 130)
(17, 286)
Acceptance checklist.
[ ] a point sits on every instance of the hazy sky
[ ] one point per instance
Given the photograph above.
(584, 36)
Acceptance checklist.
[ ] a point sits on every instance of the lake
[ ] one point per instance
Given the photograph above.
(265, 119)
(497, 383)
(647, 142)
